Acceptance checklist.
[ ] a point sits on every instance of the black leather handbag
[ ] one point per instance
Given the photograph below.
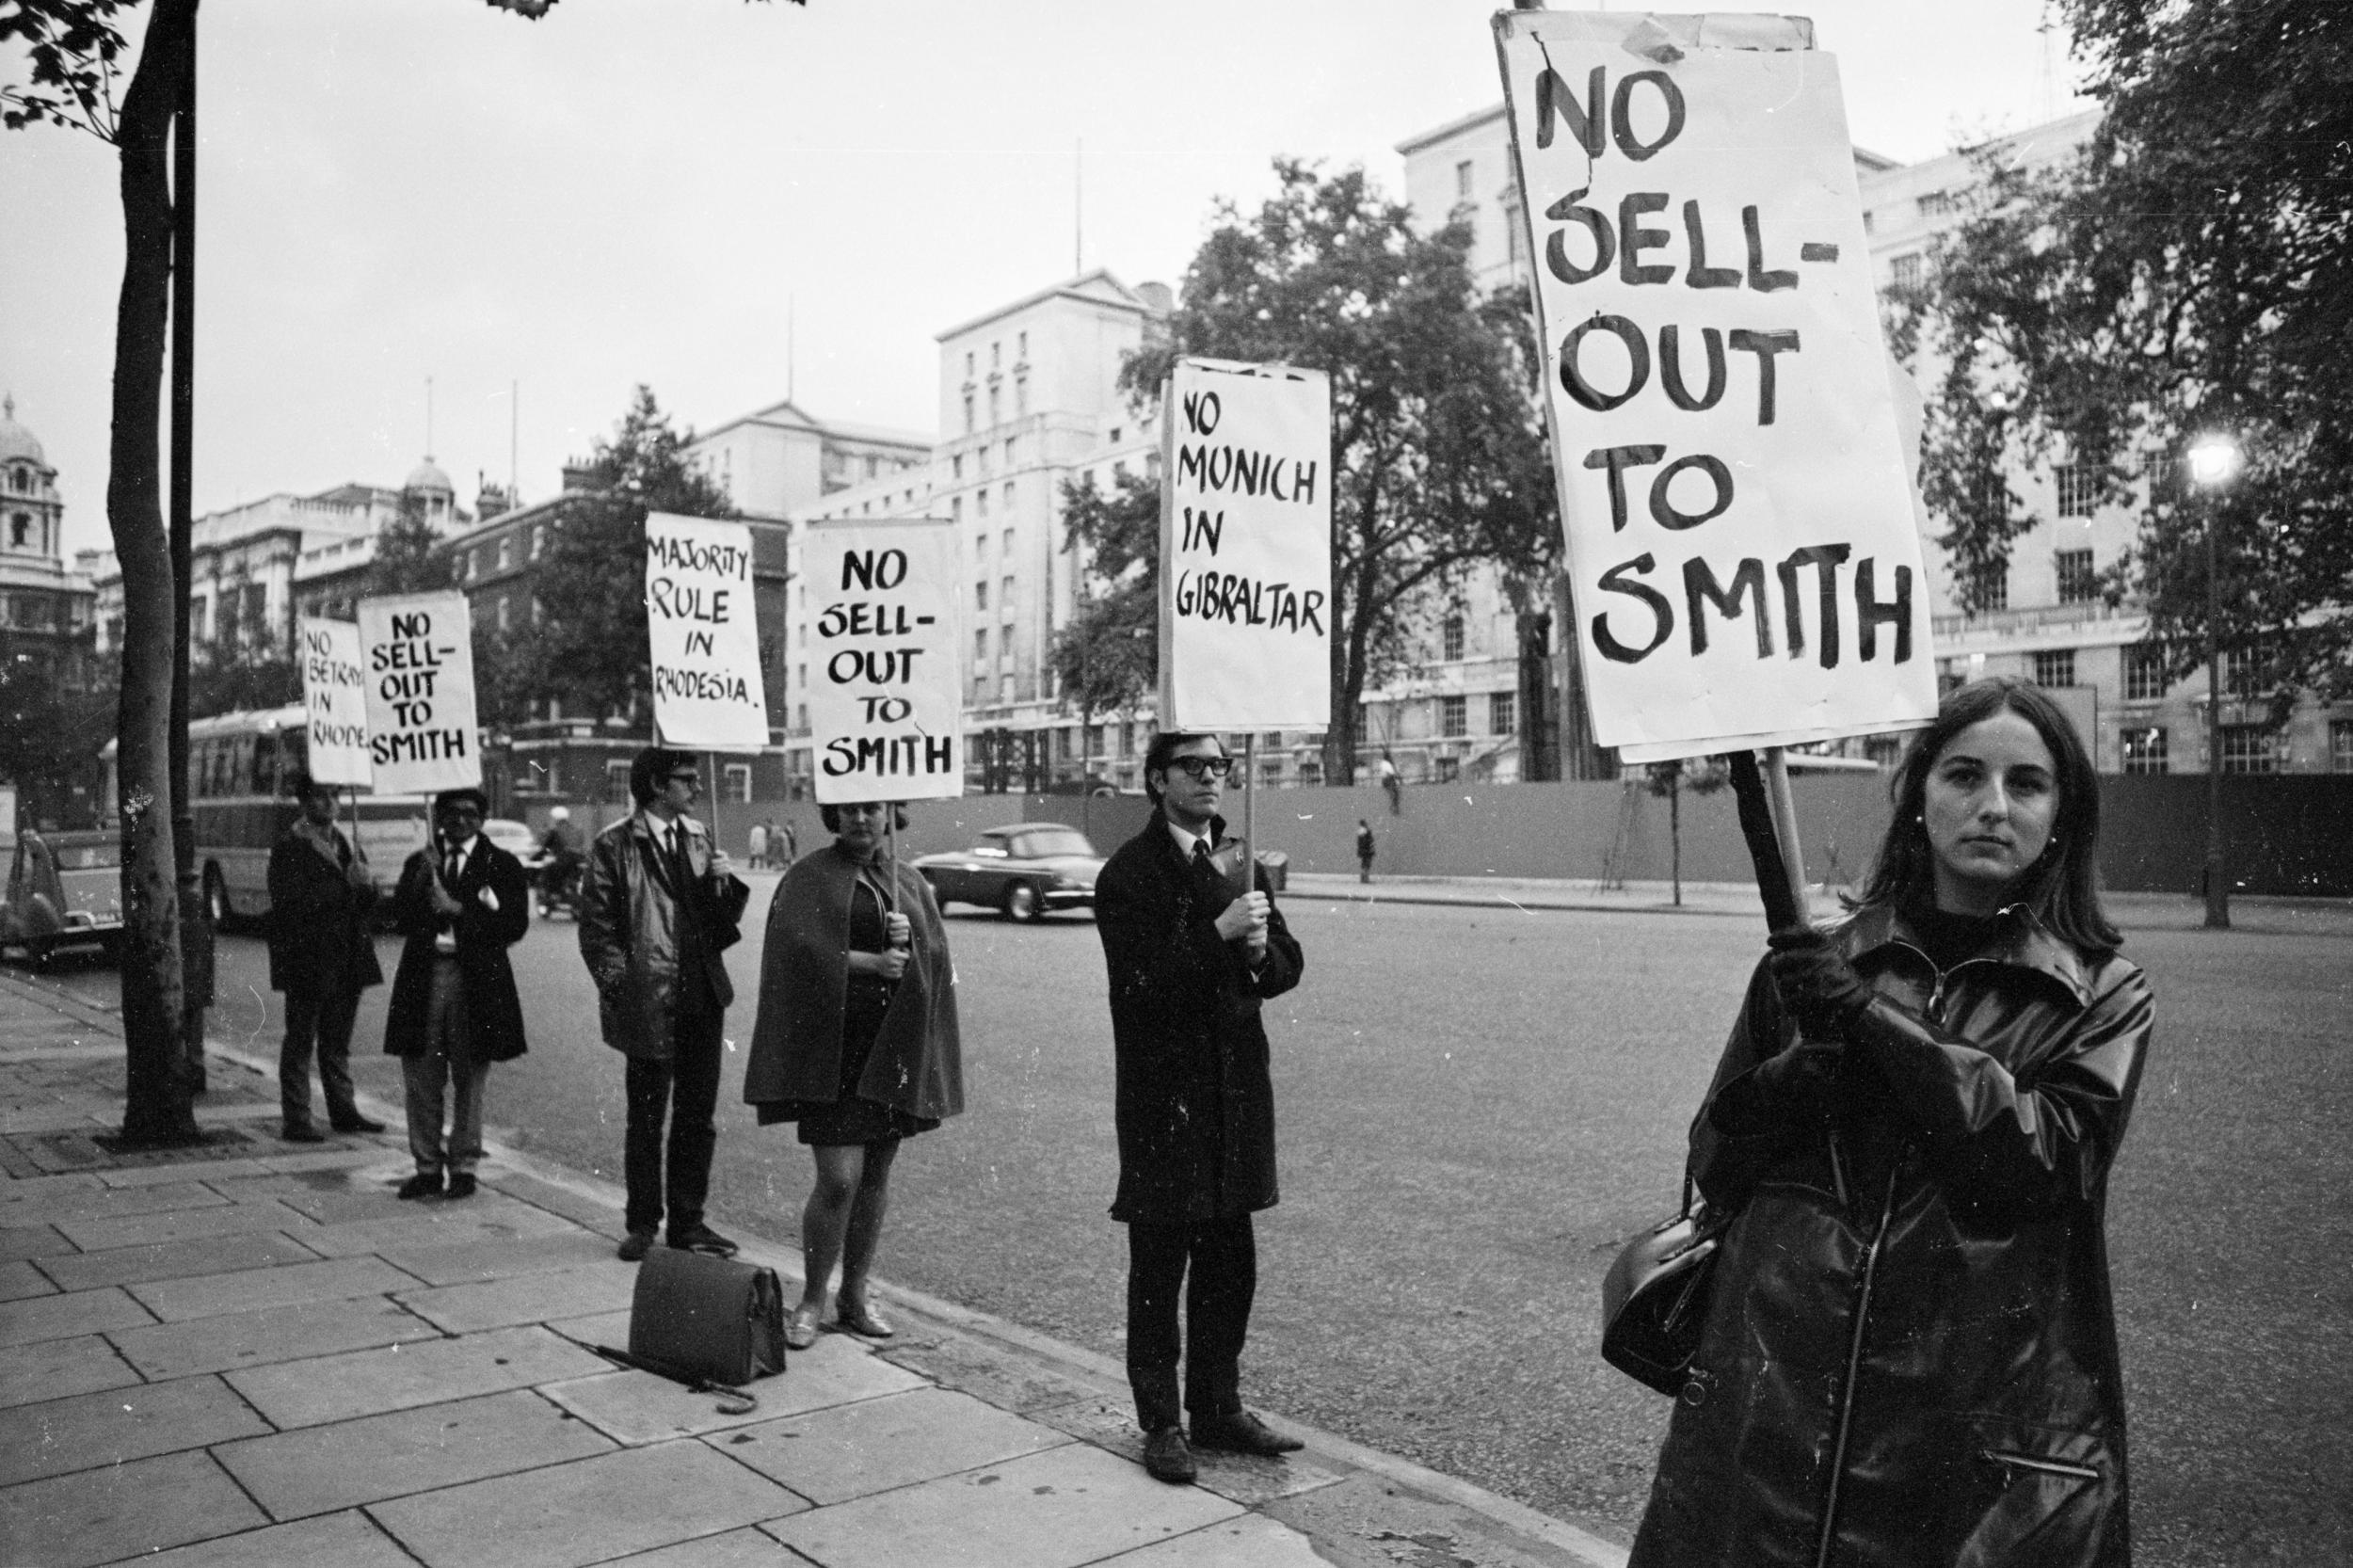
(696, 1317)
(1654, 1297)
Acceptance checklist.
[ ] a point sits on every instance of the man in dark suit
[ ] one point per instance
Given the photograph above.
(1190, 959)
(462, 902)
(322, 956)
(657, 909)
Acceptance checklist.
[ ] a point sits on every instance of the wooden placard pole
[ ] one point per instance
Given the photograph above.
(1784, 808)
(1249, 811)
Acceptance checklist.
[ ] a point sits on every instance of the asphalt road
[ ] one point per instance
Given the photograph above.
(1476, 1107)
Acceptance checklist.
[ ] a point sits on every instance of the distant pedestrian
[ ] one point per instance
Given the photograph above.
(791, 842)
(658, 907)
(856, 1041)
(1364, 850)
(1909, 1353)
(1387, 769)
(322, 955)
(462, 902)
(758, 848)
(1191, 962)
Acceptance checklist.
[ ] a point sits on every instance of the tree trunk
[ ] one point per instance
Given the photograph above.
(159, 1090)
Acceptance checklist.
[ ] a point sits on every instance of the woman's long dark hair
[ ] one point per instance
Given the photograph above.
(2062, 887)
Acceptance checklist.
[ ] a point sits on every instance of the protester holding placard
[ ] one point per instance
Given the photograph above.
(657, 909)
(1191, 961)
(856, 1041)
(322, 955)
(461, 902)
(1909, 1353)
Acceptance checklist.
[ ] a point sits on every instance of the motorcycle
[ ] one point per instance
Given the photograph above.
(559, 885)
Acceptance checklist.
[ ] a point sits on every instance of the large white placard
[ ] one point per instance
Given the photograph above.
(886, 690)
(417, 656)
(1741, 531)
(1245, 547)
(335, 697)
(704, 634)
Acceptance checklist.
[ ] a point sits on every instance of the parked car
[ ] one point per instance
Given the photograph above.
(515, 838)
(64, 889)
(1025, 870)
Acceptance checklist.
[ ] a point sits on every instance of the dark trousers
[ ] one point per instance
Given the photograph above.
(318, 1017)
(685, 1089)
(1215, 1263)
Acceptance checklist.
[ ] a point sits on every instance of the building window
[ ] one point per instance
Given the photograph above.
(2077, 484)
(1991, 585)
(507, 551)
(1008, 495)
(2248, 748)
(504, 600)
(1013, 448)
(1867, 225)
(1008, 547)
(617, 781)
(1004, 596)
(2239, 673)
(2144, 672)
(736, 779)
(1502, 712)
(996, 406)
(2078, 584)
(1022, 345)
(1449, 769)
(980, 596)
(979, 645)
(538, 541)
(1450, 638)
(1935, 203)
(1310, 772)
(2144, 749)
(1453, 715)
(2340, 746)
(1904, 272)
(2055, 668)
(1462, 181)
(980, 502)
(967, 413)
(1127, 738)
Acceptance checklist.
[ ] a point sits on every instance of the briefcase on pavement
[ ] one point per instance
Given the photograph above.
(715, 1319)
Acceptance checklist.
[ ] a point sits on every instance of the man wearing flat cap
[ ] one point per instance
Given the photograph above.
(462, 902)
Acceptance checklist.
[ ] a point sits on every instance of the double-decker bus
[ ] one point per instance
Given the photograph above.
(241, 769)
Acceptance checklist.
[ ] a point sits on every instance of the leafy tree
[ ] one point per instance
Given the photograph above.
(591, 652)
(2191, 272)
(1108, 658)
(1437, 439)
(407, 558)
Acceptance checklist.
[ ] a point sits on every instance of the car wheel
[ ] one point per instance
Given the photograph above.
(1021, 903)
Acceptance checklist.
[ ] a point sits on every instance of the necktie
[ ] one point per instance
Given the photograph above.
(682, 870)
(451, 865)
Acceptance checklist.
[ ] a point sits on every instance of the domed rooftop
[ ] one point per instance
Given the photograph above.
(427, 475)
(15, 440)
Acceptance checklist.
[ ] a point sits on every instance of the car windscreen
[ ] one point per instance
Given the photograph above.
(1036, 846)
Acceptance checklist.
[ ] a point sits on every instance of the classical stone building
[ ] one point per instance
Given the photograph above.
(45, 607)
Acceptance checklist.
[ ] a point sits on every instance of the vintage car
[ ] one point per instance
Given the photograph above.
(64, 889)
(1025, 870)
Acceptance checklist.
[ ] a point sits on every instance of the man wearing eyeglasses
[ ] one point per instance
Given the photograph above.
(1191, 958)
(658, 906)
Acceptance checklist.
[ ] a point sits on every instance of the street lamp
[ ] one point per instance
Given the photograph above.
(2215, 460)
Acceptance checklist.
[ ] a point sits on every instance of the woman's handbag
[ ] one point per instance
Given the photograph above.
(1654, 1297)
(695, 1316)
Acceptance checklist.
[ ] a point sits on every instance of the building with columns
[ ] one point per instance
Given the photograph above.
(45, 606)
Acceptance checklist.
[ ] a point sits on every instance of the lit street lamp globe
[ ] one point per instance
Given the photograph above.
(2215, 460)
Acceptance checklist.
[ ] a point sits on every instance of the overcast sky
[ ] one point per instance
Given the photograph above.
(633, 191)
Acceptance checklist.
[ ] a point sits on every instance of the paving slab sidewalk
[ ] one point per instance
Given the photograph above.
(244, 1355)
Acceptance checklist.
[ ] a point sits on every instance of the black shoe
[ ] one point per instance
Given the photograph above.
(355, 1123)
(461, 1184)
(634, 1246)
(301, 1132)
(424, 1184)
(1242, 1434)
(701, 1238)
(1167, 1458)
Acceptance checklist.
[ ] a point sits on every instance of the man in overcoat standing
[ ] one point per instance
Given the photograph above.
(1190, 959)
(322, 956)
(462, 902)
(657, 909)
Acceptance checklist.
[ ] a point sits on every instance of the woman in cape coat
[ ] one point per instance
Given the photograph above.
(856, 1041)
(1909, 1353)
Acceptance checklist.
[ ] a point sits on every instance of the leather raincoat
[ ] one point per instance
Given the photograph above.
(628, 932)
(1910, 1350)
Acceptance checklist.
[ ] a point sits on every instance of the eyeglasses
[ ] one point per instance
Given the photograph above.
(1203, 767)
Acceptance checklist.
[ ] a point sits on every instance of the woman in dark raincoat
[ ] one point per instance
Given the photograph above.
(856, 1041)
(1910, 1351)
